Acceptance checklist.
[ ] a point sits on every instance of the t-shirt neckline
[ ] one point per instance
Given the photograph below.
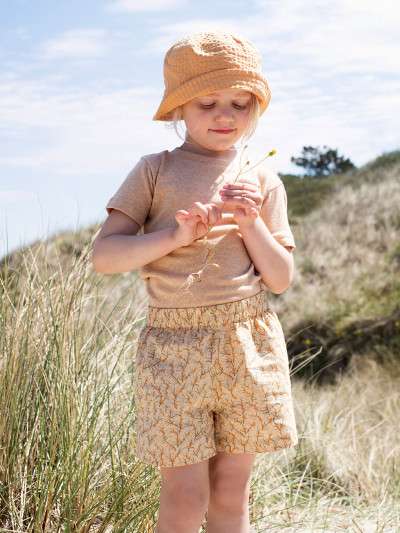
(186, 151)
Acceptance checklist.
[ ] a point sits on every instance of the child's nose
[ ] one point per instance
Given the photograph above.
(225, 114)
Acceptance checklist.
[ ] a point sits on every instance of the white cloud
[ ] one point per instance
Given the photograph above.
(349, 35)
(75, 44)
(15, 197)
(82, 132)
(134, 6)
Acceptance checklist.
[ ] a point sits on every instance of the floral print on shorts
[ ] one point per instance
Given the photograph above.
(212, 378)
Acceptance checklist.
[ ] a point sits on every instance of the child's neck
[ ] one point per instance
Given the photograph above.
(198, 148)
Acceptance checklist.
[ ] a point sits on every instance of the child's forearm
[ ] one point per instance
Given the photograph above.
(123, 253)
(271, 259)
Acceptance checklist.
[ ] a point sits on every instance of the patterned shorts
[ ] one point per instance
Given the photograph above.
(209, 379)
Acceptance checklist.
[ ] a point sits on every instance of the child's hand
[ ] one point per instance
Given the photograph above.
(196, 222)
(245, 197)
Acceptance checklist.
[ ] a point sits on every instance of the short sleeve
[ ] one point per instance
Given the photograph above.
(274, 214)
(135, 195)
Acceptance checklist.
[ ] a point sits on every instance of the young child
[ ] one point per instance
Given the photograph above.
(212, 384)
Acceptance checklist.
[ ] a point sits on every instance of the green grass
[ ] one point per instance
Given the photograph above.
(308, 193)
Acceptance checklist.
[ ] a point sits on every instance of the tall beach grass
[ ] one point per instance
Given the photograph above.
(67, 417)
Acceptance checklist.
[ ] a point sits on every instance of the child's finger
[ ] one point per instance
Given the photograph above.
(239, 201)
(182, 214)
(214, 214)
(200, 209)
(228, 193)
(242, 184)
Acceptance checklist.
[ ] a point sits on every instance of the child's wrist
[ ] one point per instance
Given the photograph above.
(176, 237)
(246, 222)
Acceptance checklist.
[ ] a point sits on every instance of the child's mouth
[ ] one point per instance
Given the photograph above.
(223, 131)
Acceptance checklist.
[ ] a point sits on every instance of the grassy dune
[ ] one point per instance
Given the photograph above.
(345, 297)
(348, 261)
(68, 339)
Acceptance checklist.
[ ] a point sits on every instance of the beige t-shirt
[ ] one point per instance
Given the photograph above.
(163, 182)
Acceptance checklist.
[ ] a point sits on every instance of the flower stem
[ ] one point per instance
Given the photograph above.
(195, 277)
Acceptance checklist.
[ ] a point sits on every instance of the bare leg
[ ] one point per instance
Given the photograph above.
(228, 508)
(184, 498)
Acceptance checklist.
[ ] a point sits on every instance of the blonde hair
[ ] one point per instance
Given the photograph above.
(254, 113)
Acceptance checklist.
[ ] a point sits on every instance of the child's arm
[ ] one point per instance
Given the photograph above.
(117, 248)
(272, 260)
(268, 237)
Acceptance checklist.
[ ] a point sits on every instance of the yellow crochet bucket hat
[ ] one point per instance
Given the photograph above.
(208, 61)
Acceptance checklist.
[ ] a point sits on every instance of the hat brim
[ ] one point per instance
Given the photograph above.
(250, 80)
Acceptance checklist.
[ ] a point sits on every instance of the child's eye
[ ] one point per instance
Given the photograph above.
(209, 106)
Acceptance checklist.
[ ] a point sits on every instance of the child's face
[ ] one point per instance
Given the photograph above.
(224, 109)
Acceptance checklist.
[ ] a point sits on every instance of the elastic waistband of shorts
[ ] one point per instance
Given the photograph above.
(212, 316)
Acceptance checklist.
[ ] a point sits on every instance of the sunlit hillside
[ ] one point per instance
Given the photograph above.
(346, 293)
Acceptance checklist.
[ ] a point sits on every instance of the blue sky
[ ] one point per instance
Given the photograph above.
(80, 82)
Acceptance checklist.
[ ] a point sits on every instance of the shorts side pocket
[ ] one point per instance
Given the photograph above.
(266, 326)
